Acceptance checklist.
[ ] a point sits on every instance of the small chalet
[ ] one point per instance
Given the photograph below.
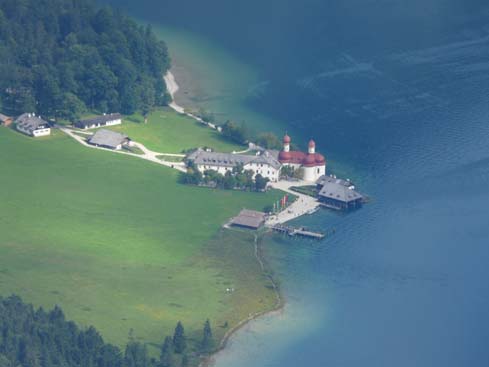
(339, 194)
(32, 125)
(6, 120)
(250, 219)
(99, 121)
(109, 139)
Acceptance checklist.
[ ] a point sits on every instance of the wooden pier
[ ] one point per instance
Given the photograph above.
(301, 231)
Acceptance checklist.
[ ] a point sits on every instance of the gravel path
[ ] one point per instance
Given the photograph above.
(301, 206)
(148, 155)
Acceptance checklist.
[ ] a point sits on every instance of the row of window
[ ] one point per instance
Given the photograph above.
(230, 169)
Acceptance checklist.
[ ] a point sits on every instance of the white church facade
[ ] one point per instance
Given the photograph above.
(313, 164)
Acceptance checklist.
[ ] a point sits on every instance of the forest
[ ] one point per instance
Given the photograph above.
(37, 338)
(63, 58)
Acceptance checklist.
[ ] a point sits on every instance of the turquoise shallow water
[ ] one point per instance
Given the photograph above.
(396, 95)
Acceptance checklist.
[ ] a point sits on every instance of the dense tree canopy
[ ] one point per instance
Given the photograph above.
(38, 338)
(32, 337)
(61, 57)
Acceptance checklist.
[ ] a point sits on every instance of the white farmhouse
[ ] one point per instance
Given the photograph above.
(30, 124)
(264, 163)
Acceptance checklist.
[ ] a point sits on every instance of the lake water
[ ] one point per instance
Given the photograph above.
(396, 95)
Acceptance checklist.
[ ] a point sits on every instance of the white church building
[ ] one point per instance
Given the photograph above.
(313, 164)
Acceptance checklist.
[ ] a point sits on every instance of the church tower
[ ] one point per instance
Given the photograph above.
(312, 147)
(286, 143)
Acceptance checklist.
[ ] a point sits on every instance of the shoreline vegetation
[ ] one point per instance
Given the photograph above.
(173, 88)
(278, 307)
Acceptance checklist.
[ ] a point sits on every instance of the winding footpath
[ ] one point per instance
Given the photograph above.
(172, 87)
(148, 155)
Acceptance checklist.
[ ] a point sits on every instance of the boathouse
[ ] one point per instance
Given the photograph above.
(339, 194)
(250, 219)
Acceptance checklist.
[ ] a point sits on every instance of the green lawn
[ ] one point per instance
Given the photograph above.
(118, 243)
(170, 132)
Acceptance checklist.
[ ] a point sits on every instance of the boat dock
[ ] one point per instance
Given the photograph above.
(301, 231)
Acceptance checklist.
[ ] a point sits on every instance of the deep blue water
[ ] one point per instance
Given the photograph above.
(396, 94)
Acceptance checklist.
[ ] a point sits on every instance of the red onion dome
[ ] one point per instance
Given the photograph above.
(320, 159)
(312, 144)
(284, 156)
(287, 139)
(310, 160)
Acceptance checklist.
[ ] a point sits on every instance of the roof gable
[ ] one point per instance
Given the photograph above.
(100, 119)
(30, 122)
(231, 160)
(108, 138)
(337, 191)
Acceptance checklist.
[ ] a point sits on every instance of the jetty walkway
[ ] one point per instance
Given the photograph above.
(301, 231)
(303, 205)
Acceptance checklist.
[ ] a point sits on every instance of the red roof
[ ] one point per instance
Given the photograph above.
(308, 160)
(286, 139)
(312, 144)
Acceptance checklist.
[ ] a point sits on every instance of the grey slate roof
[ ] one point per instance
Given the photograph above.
(108, 138)
(324, 179)
(99, 119)
(249, 218)
(201, 157)
(335, 188)
(30, 122)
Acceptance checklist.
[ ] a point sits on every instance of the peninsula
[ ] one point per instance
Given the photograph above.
(95, 223)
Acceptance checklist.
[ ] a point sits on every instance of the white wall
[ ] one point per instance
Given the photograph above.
(35, 133)
(266, 171)
(114, 122)
(41, 132)
(313, 173)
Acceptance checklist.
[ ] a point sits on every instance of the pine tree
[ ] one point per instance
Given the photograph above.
(185, 361)
(179, 340)
(207, 340)
(166, 356)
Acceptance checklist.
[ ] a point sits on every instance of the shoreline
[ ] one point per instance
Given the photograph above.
(173, 87)
(209, 361)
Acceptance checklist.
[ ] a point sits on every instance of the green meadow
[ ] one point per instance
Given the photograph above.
(170, 132)
(119, 244)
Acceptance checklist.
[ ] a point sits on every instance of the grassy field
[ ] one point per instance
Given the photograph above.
(119, 244)
(170, 132)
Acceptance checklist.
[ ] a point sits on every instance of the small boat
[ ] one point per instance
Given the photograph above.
(313, 210)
